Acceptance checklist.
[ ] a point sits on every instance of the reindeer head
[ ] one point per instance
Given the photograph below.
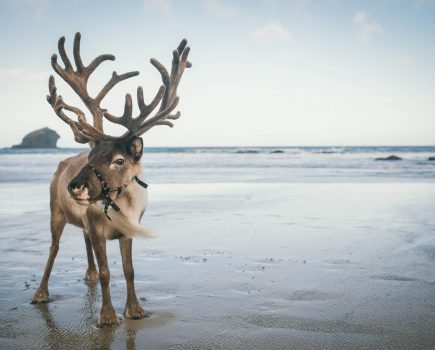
(115, 158)
(111, 166)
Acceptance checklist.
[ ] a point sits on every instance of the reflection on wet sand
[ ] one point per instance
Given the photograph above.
(89, 306)
(84, 333)
(55, 334)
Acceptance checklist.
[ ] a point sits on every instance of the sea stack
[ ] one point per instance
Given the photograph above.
(42, 138)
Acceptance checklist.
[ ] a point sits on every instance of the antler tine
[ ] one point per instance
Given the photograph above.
(58, 105)
(159, 119)
(97, 61)
(126, 116)
(76, 52)
(147, 109)
(112, 82)
(183, 64)
(63, 55)
(165, 79)
(87, 71)
(78, 136)
(57, 68)
(91, 132)
(126, 120)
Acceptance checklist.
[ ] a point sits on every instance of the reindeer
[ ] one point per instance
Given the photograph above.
(100, 191)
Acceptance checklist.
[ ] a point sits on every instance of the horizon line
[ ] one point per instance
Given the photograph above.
(243, 146)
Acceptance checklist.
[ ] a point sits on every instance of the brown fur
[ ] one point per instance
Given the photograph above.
(96, 226)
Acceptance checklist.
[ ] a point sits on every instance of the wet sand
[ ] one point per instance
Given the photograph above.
(235, 266)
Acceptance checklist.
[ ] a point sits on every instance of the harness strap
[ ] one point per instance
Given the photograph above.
(143, 184)
(108, 201)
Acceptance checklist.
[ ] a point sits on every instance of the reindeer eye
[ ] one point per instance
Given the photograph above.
(119, 162)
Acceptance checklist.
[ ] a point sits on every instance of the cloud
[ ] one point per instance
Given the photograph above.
(20, 73)
(367, 27)
(272, 32)
(219, 8)
(38, 6)
(160, 5)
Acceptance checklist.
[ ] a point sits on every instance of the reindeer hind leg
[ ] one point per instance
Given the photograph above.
(92, 272)
(132, 307)
(108, 316)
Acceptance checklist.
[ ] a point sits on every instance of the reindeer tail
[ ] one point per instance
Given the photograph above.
(129, 229)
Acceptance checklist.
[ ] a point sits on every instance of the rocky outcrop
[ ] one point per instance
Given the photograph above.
(247, 151)
(431, 158)
(393, 157)
(42, 138)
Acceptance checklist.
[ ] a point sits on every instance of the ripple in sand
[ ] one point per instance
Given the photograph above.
(387, 277)
(338, 262)
(310, 295)
(312, 325)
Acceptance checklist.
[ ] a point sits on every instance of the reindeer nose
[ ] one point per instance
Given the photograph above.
(74, 187)
(78, 192)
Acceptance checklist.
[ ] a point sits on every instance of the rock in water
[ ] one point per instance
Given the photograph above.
(393, 157)
(42, 138)
(431, 158)
(247, 151)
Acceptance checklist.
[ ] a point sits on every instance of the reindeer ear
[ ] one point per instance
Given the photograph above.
(135, 147)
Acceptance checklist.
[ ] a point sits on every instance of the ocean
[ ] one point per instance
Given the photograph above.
(244, 164)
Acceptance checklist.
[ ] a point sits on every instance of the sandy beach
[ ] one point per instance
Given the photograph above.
(235, 266)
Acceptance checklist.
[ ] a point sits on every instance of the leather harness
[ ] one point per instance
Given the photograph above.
(106, 189)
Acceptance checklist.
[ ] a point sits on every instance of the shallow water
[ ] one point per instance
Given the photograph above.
(226, 164)
(235, 266)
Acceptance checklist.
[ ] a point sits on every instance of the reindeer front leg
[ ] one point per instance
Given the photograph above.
(57, 225)
(132, 306)
(108, 316)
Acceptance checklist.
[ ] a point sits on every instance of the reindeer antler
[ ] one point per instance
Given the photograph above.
(85, 132)
(167, 94)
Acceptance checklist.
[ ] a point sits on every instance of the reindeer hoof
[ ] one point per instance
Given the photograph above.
(41, 296)
(135, 311)
(92, 275)
(107, 318)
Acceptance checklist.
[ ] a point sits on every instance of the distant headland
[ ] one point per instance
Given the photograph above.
(41, 138)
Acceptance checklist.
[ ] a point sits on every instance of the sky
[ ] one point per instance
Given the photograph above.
(265, 72)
